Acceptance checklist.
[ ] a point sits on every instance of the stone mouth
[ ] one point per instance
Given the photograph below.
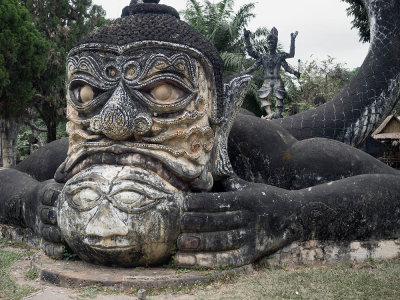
(101, 243)
(110, 248)
(137, 160)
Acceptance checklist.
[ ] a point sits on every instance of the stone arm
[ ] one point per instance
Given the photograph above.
(289, 69)
(251, 221)
(292, 45)
(26, 202)
(252, 68)
(250, 50)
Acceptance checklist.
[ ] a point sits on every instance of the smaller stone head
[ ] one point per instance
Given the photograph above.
(272, 39)
(147, 124)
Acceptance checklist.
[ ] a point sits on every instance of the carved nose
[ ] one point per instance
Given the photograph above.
(119, 118)
(105, 223)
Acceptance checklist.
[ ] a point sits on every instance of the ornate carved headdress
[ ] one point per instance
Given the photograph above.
(156, 22)
(273, 35)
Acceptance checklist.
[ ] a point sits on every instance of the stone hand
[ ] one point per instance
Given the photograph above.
(49, 231)
(297, 74)
(234, 228)
(294, 35)
(246, 33)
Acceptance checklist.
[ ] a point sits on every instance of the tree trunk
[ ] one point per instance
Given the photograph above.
(9, 136)
(51, 130)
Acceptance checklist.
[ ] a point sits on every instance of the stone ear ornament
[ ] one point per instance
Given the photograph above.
(234, 92)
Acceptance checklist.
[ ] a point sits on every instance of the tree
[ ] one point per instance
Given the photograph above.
(63, 23)
(360, 18)
(224, 29)
(320, 81)
(23, 54)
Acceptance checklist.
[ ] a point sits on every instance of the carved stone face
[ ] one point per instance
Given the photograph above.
(272, 42)
(120, 215)
(140, 132)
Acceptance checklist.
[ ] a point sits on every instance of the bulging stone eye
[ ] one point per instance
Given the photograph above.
(86, 94)
(132, 201)
(85, 198)
(166, 93)
(129, 197)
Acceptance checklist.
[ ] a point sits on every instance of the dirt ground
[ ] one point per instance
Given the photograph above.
(368, 280)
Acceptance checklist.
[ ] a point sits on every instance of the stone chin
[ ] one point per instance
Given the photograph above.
(120, 215)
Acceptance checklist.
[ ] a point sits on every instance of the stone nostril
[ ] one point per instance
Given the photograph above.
(95, 124)
(142, 124)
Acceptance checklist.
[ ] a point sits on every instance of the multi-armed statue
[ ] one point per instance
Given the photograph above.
(272, 63)
(147, 166)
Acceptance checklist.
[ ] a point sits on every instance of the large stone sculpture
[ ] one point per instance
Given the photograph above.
(272, 63)
(147, 166)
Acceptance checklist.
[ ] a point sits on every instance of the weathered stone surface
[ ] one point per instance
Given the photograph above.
(80, 274)
(330, 252)
(21, 235)
(42, 165)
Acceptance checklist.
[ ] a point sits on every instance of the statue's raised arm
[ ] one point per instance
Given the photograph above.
(292, 44)
(250, 50)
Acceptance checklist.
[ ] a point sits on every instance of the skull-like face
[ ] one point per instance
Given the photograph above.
(141, 132)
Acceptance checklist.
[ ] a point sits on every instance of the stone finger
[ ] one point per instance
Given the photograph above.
(53, 250)
(200, 222)
(213, 202)
(48, 215)
(212, 241)
(233, 258)
(50, 196)
(50, 233)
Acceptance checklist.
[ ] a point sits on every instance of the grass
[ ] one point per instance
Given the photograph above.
(32, 274)
(369, 280)
(9, 289)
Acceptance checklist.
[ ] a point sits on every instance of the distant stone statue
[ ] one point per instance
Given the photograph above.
(272, 64)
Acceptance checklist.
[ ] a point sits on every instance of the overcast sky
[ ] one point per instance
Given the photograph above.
(324, 28)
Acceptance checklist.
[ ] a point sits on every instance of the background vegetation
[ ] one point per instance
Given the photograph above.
(58, 24)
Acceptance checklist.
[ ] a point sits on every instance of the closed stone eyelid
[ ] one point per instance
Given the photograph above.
(156, 195)
(132, 177)
(74, 189)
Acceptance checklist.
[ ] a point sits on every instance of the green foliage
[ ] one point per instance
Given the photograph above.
(9, 289)
(68, 256)
(23, 53)
(32, 274)
(360, 19)
(24, 142)
(63, 23)
(223, 27)
(320, 82)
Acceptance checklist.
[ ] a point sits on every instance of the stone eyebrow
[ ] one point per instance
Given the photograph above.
(180, 64)
(90, 178)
